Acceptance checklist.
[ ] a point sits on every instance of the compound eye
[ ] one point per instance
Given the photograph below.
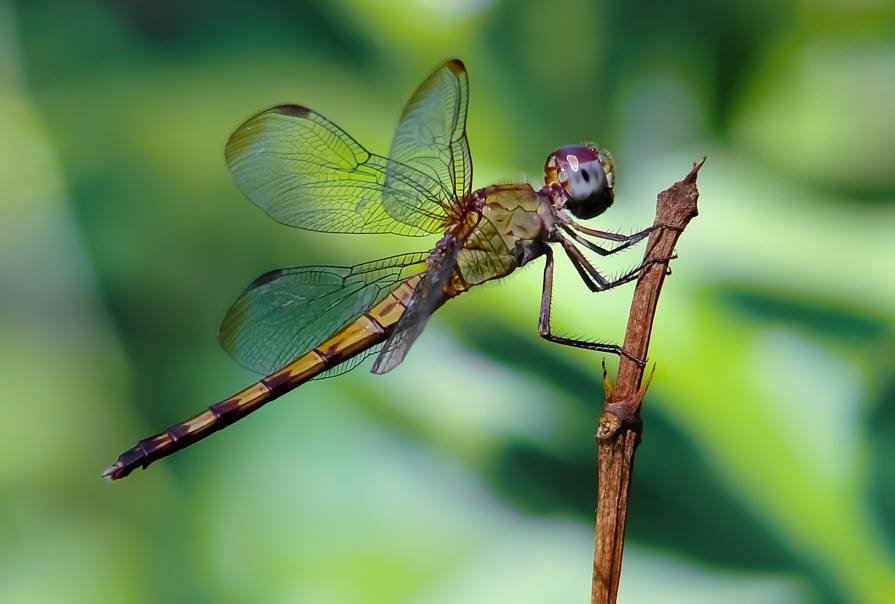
(584, 179)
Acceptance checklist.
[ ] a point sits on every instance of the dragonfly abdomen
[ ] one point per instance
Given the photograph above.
(370, 328)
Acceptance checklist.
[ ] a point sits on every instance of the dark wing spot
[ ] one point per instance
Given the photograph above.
(266, 278)
(585, 175)
(456, 66)
(293, 110)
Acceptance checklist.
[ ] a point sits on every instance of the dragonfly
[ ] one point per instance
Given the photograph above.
(296, 324)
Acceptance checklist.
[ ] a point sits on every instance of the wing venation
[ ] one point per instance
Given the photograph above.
(287, 312)
(306, 172)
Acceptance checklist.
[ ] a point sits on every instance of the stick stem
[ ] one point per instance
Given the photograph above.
(619, 429)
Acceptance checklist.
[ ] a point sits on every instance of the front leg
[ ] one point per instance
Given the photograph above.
(573, 229)
(626, 241)
(544, 320)
(612, 236)
(598, 248)
(592, 278)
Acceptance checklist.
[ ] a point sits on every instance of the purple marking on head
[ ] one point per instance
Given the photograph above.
(581, 171)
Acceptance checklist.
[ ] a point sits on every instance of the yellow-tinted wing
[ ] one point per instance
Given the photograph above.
(431, 136)
(306, 172)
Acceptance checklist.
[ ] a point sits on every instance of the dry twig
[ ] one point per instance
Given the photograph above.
(618, 432)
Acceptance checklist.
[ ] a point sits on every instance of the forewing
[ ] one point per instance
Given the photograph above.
(431, 136)
(286, 312)
(423, 302)
(306, 172)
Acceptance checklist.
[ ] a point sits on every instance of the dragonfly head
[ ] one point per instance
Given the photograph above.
(586, 175)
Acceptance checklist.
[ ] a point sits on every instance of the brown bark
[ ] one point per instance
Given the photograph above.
(619, 429)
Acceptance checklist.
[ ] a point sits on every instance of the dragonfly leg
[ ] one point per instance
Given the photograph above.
(544, 321)
(594, 280)
(573, 229)
(589, 274)
(618, 236)
(601, 234)
(602, 250)
(625, 241)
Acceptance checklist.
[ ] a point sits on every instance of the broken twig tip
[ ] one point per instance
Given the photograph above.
(691, 177)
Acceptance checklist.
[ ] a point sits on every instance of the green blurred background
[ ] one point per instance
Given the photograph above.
(468, 474)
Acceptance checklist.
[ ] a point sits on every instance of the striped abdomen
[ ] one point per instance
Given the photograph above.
(369, 329)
